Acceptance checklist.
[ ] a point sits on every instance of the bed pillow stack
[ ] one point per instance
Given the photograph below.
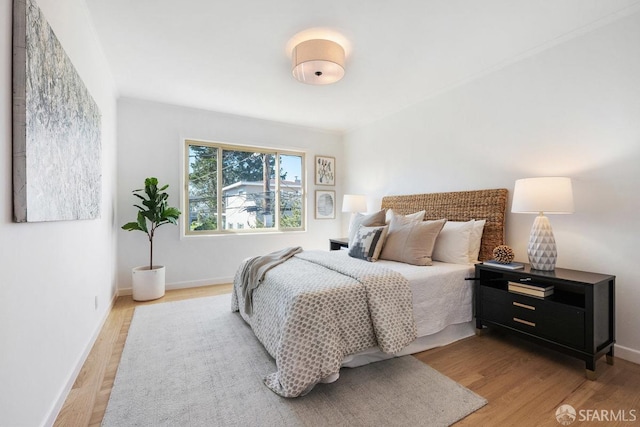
(411, 240)
(367, 235)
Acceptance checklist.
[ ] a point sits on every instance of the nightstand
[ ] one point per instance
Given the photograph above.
(578, 319)
(337, 244)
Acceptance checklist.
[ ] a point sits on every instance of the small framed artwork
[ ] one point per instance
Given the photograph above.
(325, 204)
(325, 170)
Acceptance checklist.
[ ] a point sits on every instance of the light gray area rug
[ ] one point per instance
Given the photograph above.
(194, 363)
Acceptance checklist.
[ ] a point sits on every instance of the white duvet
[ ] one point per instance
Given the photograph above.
(441, 296)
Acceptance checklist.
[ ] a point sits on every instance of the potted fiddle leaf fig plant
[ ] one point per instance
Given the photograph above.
(149, 280)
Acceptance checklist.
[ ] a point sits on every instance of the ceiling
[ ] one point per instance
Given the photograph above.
(233, 56)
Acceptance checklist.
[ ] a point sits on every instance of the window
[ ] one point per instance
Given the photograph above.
(237, 189)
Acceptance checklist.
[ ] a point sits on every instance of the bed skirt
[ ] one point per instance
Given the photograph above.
(448, 335)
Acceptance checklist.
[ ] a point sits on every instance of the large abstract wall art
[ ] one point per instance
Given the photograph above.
(56, 127)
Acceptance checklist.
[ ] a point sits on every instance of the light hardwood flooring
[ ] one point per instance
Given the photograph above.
(87, 400)
(524, 383)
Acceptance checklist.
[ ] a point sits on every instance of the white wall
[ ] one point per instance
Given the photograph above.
(151, 143)
(573, 110)
(51, 273)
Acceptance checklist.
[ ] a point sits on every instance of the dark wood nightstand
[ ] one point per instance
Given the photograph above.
(578, 319)
(337, 244)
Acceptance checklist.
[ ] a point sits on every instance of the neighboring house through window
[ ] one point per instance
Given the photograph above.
(239, 189)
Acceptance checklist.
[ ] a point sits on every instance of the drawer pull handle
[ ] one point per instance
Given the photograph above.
(528, 307)
(524, 322)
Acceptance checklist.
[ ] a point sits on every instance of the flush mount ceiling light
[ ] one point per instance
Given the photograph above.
(318, 62)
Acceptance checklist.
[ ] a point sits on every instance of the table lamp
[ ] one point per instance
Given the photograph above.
(353, 203)
(551, 195)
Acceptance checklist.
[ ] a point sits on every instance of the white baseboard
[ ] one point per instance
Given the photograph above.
(627, 353)
(64, 393)
(199, 283)
(185, 285)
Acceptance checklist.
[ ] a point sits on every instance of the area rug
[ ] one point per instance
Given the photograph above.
(195, 363)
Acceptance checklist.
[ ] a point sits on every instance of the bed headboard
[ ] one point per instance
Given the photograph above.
(460, 206)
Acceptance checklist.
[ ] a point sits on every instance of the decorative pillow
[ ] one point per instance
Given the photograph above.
(417, 216)
(476, 240)
(371, 220)
(368, 242)
(453, 243)
(411, 242)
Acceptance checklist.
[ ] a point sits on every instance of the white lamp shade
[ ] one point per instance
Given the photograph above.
(354, 203)
(552, 195)
(318, 62)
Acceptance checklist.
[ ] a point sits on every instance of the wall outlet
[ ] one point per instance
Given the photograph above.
(96, 302)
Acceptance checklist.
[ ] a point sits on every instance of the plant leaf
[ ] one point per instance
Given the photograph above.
(130, 226)
(142, 222)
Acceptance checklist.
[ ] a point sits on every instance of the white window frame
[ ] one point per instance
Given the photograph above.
(221, 231)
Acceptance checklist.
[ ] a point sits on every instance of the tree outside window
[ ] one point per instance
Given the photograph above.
(237, 188)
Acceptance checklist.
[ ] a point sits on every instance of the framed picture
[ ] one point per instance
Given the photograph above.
(325, 204)
(57, 166)
(325, 170)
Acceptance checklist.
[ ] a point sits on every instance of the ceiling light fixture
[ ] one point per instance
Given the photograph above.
(318, 62)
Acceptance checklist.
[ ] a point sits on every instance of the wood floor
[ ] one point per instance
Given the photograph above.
(524, 383)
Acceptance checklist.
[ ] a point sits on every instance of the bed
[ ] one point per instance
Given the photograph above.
(319, 311)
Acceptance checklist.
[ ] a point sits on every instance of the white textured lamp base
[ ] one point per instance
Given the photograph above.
(542, 245)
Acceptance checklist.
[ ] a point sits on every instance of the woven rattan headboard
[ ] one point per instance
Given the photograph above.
(460, 206)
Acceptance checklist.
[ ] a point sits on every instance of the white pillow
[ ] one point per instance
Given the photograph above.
(475, 240)
(416, 216)
(453, 242)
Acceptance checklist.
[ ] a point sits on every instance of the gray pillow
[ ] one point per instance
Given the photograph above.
(411, 242)
(371, 220)
(368, 242)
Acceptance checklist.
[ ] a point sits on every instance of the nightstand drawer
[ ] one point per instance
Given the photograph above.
(547, 319)
(556, 322)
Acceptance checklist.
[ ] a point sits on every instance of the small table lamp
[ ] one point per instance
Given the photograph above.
(353, 203)
(542, 195)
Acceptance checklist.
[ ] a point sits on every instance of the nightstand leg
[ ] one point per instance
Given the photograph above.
(590, 370)
(481, 331)
(609, 356)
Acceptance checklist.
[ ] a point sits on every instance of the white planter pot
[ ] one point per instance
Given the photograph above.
(148, 284)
